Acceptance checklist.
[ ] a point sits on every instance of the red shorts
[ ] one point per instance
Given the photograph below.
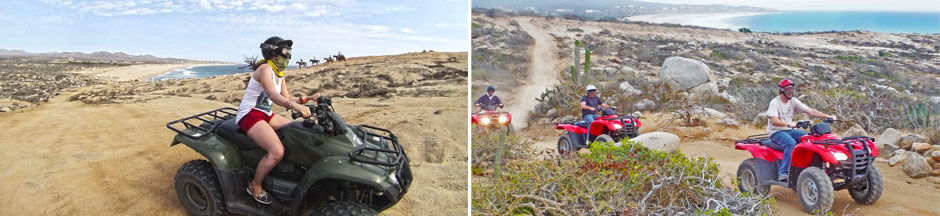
(253, 116)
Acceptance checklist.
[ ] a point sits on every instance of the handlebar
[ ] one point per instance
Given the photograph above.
(807, 124)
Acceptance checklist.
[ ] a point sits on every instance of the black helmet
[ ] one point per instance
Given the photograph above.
(491, 88)
(275, 46)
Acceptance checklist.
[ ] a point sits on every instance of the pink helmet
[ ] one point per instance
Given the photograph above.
(784, 83)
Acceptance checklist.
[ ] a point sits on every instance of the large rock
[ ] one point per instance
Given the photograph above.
(855, 130)
(628, 89)
(935, 99)
(5, 109)
(890, 136)
(916, 166)
(682, 74)
(645, 104)
(920, 147)
(899, 158)
(887, 150)
(711, 113)
(660, 141)
(907, 141)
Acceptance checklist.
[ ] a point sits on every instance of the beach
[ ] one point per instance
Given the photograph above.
(712, 20)
(137, 72)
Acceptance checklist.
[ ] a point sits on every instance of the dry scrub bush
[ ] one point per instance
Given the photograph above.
(485, 143)
(613, 180)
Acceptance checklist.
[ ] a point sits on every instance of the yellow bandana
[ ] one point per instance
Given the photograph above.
(276, 71)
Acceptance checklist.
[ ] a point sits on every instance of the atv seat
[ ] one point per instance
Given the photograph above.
(771, 144)
(582, 124)
(230, 130)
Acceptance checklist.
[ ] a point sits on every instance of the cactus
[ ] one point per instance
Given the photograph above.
(918, 114)
(574, 75)
(577, 61)
(499, 150)
(587, 60)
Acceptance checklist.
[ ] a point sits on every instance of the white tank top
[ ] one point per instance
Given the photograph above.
(256, 99)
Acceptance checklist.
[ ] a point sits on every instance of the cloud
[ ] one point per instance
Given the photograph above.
(312, 8)
(408, 30)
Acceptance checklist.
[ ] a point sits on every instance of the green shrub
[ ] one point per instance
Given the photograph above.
(613, 180)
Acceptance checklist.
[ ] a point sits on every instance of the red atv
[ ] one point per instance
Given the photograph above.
(607, 128)
(821, 163)
(489, 117)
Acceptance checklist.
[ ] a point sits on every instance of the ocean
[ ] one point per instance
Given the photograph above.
(204, 71)
(803, 21)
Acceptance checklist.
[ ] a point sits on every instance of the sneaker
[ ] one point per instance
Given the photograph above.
(262, 197)
(783, 177)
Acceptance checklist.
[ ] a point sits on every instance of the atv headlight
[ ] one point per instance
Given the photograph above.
(617, 126)
(485, 121)
(502, 119)
(839, 155)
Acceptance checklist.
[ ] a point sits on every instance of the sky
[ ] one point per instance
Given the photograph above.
(824, 5)
(226, 30)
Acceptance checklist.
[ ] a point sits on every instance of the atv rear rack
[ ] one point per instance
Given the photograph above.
(205, 123)
(754, 139)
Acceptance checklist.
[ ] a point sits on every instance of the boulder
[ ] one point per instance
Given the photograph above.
(682, 74)
(728, 97)
(933, 179)
(644, 104)
(855, 130)
(920, 147)
(712, 113)
(907, 141)
(660, 141)
(890, 136)
(628, 89)
(898, 158)
(5, 109)
(916, 166)
(935, 99)
(887, 150)
(709, 88)
(637, 114)
(934, 154)
(728, 122)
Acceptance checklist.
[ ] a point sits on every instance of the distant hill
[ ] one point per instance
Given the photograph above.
(95, 56)
(608, 8)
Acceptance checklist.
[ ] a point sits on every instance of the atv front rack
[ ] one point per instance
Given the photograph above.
(856, 167)
(395, 148)
(205, 123)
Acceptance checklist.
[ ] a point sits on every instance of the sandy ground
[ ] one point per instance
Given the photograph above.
(139, 72)
(71, 157)
(542, 74)
(713, 20)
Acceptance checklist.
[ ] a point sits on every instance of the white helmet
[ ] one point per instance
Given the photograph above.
(591, 87)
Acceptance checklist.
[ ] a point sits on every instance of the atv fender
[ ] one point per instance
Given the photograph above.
(342, 168)
(218, 151)
(767, 170)
(598, 127)
(759, 151)
(803, 155)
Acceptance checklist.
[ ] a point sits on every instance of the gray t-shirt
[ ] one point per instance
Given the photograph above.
(783, 111)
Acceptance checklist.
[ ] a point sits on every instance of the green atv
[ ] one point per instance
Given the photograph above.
(328, 168)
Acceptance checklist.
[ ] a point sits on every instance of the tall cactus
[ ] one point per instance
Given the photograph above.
(587, 60)
(577, 61)
(574, 75)
(499, 150)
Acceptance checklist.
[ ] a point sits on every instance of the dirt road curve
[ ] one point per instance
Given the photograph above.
(542, 74)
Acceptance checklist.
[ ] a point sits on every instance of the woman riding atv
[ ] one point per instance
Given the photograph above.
(489, 99)
(780, 122)
(267, 87)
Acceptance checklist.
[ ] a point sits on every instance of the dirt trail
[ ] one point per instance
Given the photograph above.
(542, 74)
(902, 195)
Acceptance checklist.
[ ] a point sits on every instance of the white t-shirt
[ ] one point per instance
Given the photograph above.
(783, 111)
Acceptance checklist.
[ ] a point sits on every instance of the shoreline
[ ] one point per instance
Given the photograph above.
(711, 20)
(141, 72)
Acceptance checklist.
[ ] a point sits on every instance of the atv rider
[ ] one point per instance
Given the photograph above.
(589, 105)
(780, 122)
(489, 99)
(265, 88)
